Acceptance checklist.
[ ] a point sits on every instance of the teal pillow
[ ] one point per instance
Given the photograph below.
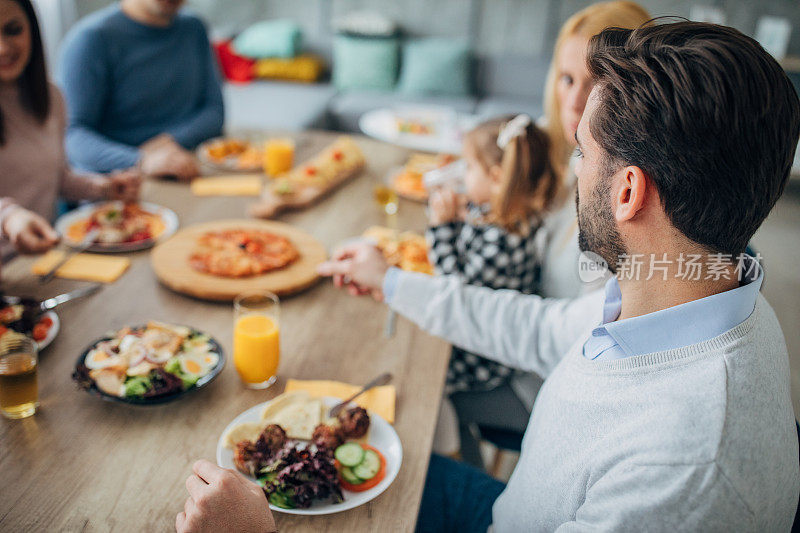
(435, 66)
(269, 38)
(365, 62)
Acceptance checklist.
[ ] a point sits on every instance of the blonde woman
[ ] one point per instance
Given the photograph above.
(566, 91)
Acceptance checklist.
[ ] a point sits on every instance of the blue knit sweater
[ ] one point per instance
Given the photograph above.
(125, 82)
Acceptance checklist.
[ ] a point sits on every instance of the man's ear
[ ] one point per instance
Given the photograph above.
(632, 193)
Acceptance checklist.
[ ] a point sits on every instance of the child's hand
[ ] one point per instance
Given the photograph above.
(444, 206)
(28, 232)
(124, 185)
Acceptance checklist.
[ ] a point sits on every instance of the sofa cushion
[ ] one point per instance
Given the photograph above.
(269, 38)
(435, 66)
(276, 105)
(365, 62)
(346, 108)
(494, 106)
(520, 77)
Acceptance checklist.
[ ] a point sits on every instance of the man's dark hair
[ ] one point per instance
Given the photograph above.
(33, 89)
(707, 114)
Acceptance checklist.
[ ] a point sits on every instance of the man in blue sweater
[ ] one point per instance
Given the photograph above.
(141, 87)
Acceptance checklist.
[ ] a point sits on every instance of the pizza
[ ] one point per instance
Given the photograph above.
(406, 250)
(118, 223)
(237, 253)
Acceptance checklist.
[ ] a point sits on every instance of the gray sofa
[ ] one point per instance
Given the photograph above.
(502, 86)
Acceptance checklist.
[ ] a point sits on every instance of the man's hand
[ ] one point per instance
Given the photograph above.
(28, 232)
(444, 206)
(124, 185)
(161, 156)
(223, 500)
(360, 267)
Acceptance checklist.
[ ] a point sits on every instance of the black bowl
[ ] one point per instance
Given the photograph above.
(205, 380)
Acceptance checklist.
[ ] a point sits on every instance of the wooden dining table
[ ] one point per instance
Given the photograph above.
(84, 464)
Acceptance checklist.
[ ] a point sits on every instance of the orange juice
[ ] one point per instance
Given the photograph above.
(278, 156)
(256, 349)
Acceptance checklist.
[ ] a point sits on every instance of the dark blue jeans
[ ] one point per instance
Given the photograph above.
(457, 497)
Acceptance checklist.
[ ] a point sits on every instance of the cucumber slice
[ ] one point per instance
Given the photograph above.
(369, 467)
(349, 454)
(350, 477)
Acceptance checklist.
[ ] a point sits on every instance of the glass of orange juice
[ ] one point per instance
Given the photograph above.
(256, 338)
(278, 156)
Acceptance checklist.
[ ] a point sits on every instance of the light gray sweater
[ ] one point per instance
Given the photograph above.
(700, 438)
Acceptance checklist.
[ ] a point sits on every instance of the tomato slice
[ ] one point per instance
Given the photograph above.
(47, 321)
(368, 484)
(39, 332)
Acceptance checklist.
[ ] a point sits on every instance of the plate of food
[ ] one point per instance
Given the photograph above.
(221, 259)
(407, 181)
(119, 226)
(149, 364)
(42, 329)
(231, 153)
(405, 250)
(308, 463)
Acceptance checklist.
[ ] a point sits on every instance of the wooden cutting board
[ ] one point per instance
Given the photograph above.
(170, 261)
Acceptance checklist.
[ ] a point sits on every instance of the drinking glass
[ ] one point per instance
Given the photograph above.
(278, 156)
(19, 391)
(256, 338)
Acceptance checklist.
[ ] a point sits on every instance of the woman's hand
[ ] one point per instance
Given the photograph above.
(29, 232)
(360, 267)
(124, 185)
(223, 500)
(444, 206)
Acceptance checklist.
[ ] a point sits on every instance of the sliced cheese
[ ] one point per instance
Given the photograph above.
(234, 185)
(89, 267)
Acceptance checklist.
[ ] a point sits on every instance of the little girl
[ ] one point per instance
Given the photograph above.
(488, 237)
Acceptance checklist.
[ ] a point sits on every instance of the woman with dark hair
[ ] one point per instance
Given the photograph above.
(33, 166)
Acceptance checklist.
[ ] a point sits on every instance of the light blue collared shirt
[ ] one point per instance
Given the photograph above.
(674, 327)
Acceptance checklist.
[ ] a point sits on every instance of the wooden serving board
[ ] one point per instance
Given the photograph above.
(170, 261)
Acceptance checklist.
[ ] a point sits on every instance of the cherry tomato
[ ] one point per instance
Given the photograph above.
(39, 332)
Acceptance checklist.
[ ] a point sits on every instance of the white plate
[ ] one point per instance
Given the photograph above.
(382, 124)
(54, 329)
(167, 215)
(381, 436)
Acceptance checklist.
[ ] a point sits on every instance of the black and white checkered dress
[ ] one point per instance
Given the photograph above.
(484, 255)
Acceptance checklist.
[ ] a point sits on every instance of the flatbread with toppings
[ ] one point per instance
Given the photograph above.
(237, 253)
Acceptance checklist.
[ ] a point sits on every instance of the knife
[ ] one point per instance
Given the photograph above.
(87, 243)
(55, 301)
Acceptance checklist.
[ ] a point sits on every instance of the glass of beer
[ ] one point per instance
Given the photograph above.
(256, 338)
(278, 156)
(19, 391)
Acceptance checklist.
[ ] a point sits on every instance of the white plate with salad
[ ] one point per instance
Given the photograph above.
(372, 461)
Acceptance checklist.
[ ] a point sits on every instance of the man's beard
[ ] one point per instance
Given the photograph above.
(597, 229)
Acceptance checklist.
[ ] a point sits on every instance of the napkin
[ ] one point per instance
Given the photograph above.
(89, 267)
(380, 400)
(233, 185)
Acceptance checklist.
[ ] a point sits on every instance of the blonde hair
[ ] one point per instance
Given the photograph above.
(528, 181)
(587, 23)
